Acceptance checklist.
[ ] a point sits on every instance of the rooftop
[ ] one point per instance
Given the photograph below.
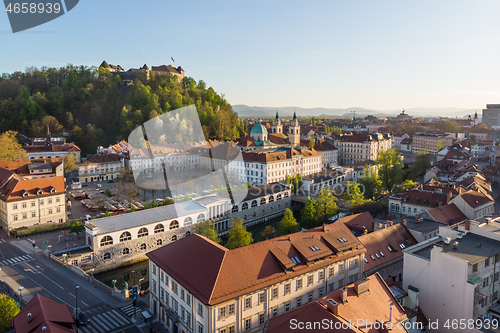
(215, 274)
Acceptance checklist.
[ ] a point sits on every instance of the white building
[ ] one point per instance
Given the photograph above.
(197, 285)
(456, 274)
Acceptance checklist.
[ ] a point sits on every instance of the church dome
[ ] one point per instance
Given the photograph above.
(259, 128)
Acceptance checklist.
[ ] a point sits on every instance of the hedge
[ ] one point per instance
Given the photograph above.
(23, 232)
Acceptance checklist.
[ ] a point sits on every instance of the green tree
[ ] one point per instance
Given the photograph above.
(107, 192)
(206, 228)
(326, 206)
(76, 226)
(268, 233)
(472, 137)
(69, 163)
(371, 183)
(288, 224)
(311, 141)
(308, 214)
(353, 194)
(390, 168)
(422, 162)
(238, 235)
(407, 185)
(9, 310)
(10, 148)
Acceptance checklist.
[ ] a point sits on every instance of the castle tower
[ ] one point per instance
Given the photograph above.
(294, 131)
(276, 126)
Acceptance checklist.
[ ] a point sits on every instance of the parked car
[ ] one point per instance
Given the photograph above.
(81, 319)
(99, 185)
(111, 181)
(85, 184)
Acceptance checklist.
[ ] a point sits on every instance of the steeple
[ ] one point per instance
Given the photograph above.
(276, 126)
(294, 115)
(294, 131)
(48, 140)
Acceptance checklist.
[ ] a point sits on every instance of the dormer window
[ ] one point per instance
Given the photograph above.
(389, 248)
(342, 240)
(372, 257)
(25, 194)
(39, 192)
(53, 190)
(376, 255)
(295, 260)
(402, 245)
(382, 254)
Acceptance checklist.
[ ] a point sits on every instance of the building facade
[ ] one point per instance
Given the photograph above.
(355, 148)
(100, 167)
(239, 290)
(430, 142)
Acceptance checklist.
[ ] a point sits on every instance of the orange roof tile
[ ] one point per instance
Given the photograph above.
(362, 221)
(449, 214)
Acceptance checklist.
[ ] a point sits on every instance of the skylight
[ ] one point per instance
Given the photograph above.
(342, 240)
(366, 260)
(376, 255)
(382, 254)
(402, 245)
(314, 248)
(372, 257)
(389, 248)
(295, 260)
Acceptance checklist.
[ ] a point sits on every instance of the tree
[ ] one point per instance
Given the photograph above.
(206, 228)
(390, 168)
(422, 162)
(268, 233)
(311, 141)
(76, 227)
(371, 182)
(472, 137)
(439, 145)
(128, 191)
(107, 192)
(9, 310)
(69, 163)
(308, 214)
(407, 185)
(326, 205)
(353, 194)
(238, 235)
(10, 148)
(288, 224)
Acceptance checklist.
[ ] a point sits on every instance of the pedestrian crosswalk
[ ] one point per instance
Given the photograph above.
(2, 240)
(16, 260)
(109, 321)
(129, 310)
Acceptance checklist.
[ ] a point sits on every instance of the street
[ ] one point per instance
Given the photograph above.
(24, 274)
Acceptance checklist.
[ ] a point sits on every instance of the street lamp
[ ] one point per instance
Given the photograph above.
(133, 273)
(140, 280)
(76, 309)
(92, 274)
(114, 284)
(20, 294)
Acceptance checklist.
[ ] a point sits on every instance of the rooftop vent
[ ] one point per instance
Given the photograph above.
(30, 316)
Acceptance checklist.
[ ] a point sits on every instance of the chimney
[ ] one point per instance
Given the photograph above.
(332, 306)
(404, 222)
(365, 232)
(30, 317)
(467, 225)
(361, 286)
(343, 295)
(455, 246)
(390, 314)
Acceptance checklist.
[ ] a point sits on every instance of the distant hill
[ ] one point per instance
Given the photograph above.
(261, 111)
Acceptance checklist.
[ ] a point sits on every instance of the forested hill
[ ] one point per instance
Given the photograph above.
(85, 102)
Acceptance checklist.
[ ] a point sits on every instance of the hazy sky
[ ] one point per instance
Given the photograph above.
(350, 53)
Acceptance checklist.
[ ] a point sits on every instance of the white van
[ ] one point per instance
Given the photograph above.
(99, 185)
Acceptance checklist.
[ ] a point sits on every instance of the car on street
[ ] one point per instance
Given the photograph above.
(111, 181)
(81, 319)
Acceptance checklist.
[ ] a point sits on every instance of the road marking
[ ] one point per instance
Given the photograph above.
(14, 259)
(72, 295)
(109, 319)
(54, 282)
(10, 261)
(42, 287)
(119, 317)
(95, 321)
(85, 303)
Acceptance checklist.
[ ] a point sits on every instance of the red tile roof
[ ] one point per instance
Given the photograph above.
(362, 221)
(106, 158)
(373, 305)
(278, 156)
(476, 199)
(448, 214)
(277, 138)
(378, 243)
(215, 274)
(55, 316)
(425, 198)
(21, 166)
(55, 148)
(13, 186)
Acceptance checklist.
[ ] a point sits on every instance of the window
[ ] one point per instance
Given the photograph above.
(49, 200)
(106, 240)
(188, 319)
(474, 268)
(200, 328)
(174, 287)
(188, 221)
(200, 310)
(248, 323)
(330, 287)
(33, 204)
(331, 271)
(230, 309)
(275, 312)
(341, 283)
(287, 306)
(183, 297)
(310, 279)
(33, 214)
(174, 225)
(222, 312)
(126, 236)
(353, 278)
(310, 297)
(107, 256)
(299, 301)
(142, 232)
(175, 305)
(321, 291)
(25, 216)
(261, 319)
(154, 269)
(262, 298)
(486, 262)
(275, 293)
(248, 303)
(188, 298)
(14, 206)
(159, 242)
(354, 263)
(287, 288)
(126, 251)
(299, 284)
(321, 276)
(159, 228)
(24, 204)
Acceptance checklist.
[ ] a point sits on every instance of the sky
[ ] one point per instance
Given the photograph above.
(384, 55)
